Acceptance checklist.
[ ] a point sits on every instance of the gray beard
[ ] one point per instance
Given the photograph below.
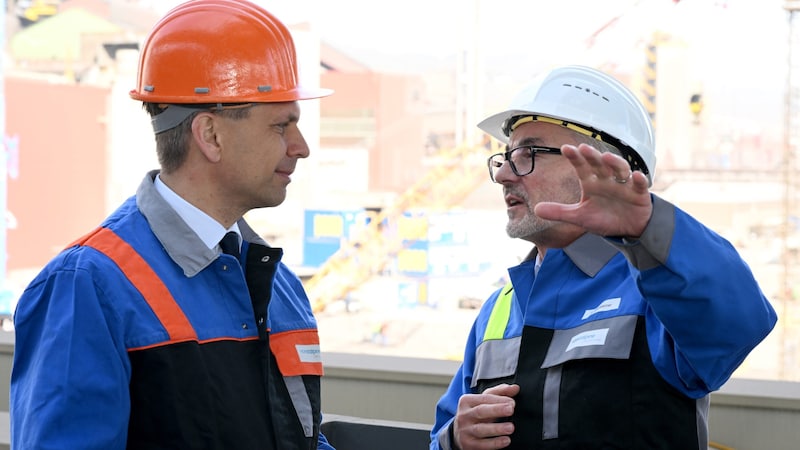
(527, 227)
(531, 227)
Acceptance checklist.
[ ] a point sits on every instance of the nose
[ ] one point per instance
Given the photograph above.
(504, 174)
(296, 144)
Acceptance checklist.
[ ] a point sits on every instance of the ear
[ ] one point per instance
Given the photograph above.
(204, 134)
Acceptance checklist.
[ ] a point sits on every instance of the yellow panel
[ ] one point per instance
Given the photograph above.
(422, 293)
(413, 228)
(410, 260)
(328, 225)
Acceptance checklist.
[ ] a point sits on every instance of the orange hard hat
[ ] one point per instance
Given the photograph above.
(219, 51)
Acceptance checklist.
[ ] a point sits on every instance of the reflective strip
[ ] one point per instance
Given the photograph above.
(550, 402)
(444, 437)
(496, 359)
(144, 279)
(301, 402)
(297, 352)
(702, 405)
(498, 320)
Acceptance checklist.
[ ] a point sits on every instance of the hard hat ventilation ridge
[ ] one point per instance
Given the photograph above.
(586, 90)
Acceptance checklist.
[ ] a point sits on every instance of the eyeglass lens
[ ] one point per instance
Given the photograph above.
(521, 160)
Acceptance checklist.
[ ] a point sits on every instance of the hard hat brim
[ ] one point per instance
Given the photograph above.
(299, 93)
(493, 125)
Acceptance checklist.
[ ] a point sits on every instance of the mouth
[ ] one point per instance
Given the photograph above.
(513, 200)
(285, 173)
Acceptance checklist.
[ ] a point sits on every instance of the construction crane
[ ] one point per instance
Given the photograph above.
(32, 11)
(460, 170)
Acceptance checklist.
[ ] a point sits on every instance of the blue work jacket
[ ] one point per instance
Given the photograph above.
(615, 344)
(140, 336)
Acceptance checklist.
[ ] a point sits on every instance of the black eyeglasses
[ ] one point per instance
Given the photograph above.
(521, 159)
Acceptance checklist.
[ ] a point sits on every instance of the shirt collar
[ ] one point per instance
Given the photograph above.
(207, 229)
(181, 242)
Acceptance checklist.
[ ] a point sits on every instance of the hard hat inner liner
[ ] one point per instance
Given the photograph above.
(630, 155)
(173, 115)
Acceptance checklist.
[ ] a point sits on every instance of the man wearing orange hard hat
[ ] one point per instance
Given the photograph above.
(174, 324)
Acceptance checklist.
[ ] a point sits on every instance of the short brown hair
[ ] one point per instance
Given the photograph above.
(172, 145)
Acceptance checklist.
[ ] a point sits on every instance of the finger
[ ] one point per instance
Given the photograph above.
(507, 390)
(469, 443)
(586, 160)
(621, 179)
(593, 157)
(589, 162)
(559, 212)
(640, 182)
(499, 394)
(491, 430)
(485, 408)
(486, 436)
(620, 168)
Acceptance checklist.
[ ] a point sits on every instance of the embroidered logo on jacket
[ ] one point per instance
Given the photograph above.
(607, 305)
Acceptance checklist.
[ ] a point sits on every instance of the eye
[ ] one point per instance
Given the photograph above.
(522, 154)
(280, 128)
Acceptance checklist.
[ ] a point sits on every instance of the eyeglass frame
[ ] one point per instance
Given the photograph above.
(533, 149)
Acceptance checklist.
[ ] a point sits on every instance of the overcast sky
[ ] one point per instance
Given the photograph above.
(736, 39)
(441, 27)
(738, 47)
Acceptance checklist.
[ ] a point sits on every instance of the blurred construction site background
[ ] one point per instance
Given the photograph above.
(392, 222)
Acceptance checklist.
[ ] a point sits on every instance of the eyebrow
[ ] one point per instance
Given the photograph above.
(285, 114)
(292, 117)
(528, 141)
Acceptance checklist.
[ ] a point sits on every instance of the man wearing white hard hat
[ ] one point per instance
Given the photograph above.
(625, 315)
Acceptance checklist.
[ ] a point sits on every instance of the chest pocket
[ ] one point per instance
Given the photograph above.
(610, 338)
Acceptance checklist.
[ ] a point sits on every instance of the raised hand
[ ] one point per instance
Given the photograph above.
(615, 201)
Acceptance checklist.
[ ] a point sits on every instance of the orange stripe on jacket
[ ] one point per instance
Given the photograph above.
(142, 276)
(297, 352)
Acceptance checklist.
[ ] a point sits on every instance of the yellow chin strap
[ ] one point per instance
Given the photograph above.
(525, 119)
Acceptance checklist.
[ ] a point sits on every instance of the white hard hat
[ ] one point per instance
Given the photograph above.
(590, 102)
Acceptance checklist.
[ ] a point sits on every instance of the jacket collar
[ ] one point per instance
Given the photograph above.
(589, 253)
(176, 236)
